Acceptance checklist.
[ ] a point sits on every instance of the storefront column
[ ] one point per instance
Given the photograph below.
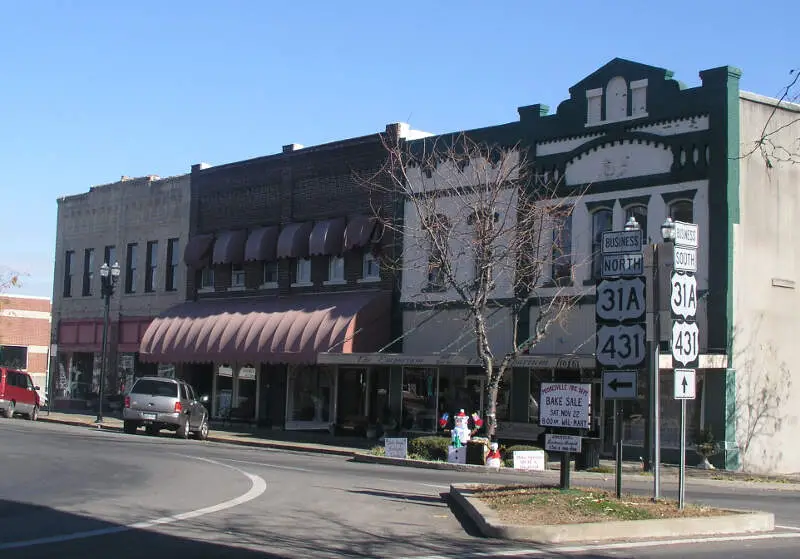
(520, 394)
(720, 410)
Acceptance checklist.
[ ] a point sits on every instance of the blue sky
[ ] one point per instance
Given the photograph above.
(93, 90)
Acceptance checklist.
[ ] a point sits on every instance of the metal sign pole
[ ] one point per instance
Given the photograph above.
(655, 378)
(682, 471)
(618, 429)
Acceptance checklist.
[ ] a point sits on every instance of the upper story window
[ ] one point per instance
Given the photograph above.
(303, 271)
(110, 255)
(562, 249)
(270, 274)
(207, 278)
(151, 265)
(682, 210)
(173, 256)
(371, 268)
(438, 233)
(69, 272)
(639, 213)
(336, 269)
(601, 222)
(88, 271)
(131, 262)
(237, 275)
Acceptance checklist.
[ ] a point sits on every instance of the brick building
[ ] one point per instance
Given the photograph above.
(282, 268)
(25, 335)
(141, 223)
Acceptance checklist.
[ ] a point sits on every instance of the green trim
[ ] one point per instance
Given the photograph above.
(634, 201)
(670, 197)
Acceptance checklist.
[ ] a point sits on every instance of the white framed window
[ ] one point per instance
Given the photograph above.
(237, 276)
(371, 268)
(335, 270)
(303, 272)
(207, 278)
(269, 278)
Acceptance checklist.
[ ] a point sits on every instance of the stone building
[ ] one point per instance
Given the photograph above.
(142, 224)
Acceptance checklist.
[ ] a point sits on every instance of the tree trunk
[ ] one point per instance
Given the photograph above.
(491, 407)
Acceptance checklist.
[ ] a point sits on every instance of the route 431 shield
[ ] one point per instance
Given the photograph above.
(621, 346)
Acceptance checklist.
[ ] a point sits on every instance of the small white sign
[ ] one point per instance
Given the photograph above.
(619, 385)
(615, 265)
(564, 405)
(396, 447)
(620, 299)
(562, 443)
(529, 460)
(616, 242)
(685, 345)
(685, 384)
(684, 259)
(247, 373)
(686, 234)
(621, 346)
(684, 295)
(225, 371)
(457, 455)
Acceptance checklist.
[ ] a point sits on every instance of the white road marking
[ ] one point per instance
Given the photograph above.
(292, 468)
(257, 487)
(606, 547)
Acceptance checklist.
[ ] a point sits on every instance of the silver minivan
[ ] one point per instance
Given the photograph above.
(163, 403)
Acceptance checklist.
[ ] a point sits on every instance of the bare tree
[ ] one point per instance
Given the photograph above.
(780, 141)
(481, 227)
(763, 389)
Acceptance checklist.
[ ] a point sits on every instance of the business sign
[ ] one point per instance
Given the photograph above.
(619, 385)
(626, 265)
(564, 405)
(683, 298)
(685, 343)
(247, 373)
(529, 460)
(562, 443)
(620, 299)
(686, 234)
(396, 447)
(684, 259)
(617, 242)
(621, 346)
(685, 384)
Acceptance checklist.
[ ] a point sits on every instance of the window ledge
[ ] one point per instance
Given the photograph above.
(334, 282)
(237, 288)
(269, 285)
(371, 279)
(302, 284)
(206, 290)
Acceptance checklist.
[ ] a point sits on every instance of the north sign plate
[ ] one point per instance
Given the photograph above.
(619, 385)
(620, 299)
(683, 299)
(615, 265)
(686, 234)
(685, 344)
(684, 259)
(685, 385)
(621, 346)
(616, 242)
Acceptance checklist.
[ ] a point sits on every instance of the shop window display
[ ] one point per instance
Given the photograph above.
(419, 399)
(310, 391)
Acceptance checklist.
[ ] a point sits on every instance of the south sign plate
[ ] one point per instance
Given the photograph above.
(685, 343)
(620, 299)
(684, 259)
(564, 405)
(621, 346)
(683, 298)
(616, 265)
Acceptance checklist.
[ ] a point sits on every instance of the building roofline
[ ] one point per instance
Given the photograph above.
(19, 296)
(771, 101)
(121, 183)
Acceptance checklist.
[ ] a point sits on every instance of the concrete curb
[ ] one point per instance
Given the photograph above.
(217, 439)
(428, 465)
(489, 524)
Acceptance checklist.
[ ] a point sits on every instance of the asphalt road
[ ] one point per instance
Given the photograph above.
(78, 492)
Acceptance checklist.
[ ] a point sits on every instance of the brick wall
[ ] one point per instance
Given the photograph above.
(25, 322)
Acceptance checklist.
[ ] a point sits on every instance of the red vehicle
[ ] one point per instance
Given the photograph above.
(18, 394)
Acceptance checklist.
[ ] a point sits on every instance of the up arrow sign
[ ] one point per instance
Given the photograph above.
(684, 384)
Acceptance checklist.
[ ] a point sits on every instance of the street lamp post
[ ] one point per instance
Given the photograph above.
(109, 275)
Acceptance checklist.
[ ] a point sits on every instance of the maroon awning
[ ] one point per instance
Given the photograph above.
(197, 249)
(229, 247)
(359, 231)
(293, 240)
(262, 244)
(327, 237)
(275, 330)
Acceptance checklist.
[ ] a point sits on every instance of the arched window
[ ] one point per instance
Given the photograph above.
(562, 247)
(682, 210)
(602, 220)
(616, 99)
(639, 213)
(437, 234)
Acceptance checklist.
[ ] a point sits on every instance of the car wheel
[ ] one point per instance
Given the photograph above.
(152, 430)
(8, 413)
(183, 429)
(202, 432)
(130, 427)
(34, 415)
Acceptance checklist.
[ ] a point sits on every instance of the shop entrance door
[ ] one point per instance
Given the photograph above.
(475, 386)
(350, 405)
